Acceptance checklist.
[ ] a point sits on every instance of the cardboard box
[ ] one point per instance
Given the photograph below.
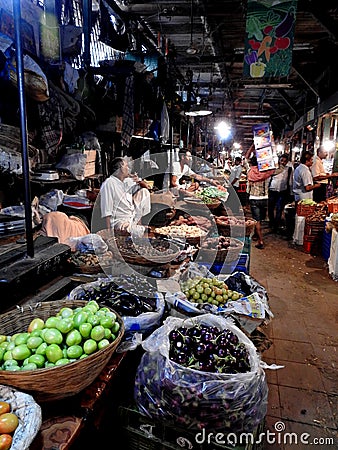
(89, 169)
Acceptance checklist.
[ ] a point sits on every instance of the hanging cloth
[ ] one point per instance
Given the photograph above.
(165, 124)
(128, 112)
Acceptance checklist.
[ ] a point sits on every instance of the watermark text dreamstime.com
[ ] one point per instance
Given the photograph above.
(279, 436)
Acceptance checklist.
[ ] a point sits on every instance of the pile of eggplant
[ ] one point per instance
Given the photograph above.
(128, 295)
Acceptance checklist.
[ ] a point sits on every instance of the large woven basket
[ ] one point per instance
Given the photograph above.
(227, 254)
(57, 382)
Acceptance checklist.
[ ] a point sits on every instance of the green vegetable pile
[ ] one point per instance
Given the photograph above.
(210, 193)
(70, 335)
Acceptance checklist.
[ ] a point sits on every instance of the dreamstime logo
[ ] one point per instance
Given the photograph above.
(279, 436)
(155, 250)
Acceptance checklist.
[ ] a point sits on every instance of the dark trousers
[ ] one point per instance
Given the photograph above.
(319, 194)
(276, 202)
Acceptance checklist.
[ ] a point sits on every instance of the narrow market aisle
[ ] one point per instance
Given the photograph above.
(303, 396)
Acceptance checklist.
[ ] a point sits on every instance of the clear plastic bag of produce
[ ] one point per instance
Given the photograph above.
(253, 301)
(196, 399)
(89, 243)
(136, 296)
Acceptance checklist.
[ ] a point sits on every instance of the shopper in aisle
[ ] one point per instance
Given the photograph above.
(181, 172)
(125, 199)
(279, 192)
(320, 175)
(258, 183)
(303, 184)
(235, 175)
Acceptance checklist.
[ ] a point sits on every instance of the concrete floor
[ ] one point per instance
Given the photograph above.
(303, 396)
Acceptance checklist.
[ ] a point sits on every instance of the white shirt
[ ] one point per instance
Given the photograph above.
(178, 172)
(302, 177)
(317, 168)
(236, 172)
(117, 200)
(279, 182)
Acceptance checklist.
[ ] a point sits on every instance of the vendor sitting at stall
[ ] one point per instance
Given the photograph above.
(125, 199)
(58, 224)
(177, 176)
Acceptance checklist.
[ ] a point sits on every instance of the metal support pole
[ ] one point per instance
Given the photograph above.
(87, 27)
(23, 127)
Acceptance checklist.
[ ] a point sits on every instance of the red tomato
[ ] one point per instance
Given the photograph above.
(254, 44)
(282, 43)
(267, 29)
(8, 423)
(273, 50)
(4, 407)
(5, 441)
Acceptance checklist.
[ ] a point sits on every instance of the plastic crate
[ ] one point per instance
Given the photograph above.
(326, 244)
(240, 265)
(143, 433)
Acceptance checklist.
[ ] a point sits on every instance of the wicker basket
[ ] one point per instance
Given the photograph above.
(133, 257)
(239, 231)
(227, 254)
(57, 382)
(305, 210)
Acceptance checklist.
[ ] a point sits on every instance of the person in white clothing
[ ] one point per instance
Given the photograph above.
(303, 185)
(124, 199)
(175, 177)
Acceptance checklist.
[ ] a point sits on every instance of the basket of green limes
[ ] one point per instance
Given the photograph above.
(56, 349)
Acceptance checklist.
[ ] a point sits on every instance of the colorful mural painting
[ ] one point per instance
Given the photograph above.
(269, 38)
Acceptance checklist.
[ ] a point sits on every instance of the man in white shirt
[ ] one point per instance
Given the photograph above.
(279, 192)
(124, 199)
(302, 178)
(174, 176)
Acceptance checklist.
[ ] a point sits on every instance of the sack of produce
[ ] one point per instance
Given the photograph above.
(202, 373)
(238, 295)
(130, 295)
(17, 404)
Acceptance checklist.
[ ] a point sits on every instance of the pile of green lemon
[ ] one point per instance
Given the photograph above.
(70, 335)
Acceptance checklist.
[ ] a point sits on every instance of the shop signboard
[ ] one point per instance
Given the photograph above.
(269, 38)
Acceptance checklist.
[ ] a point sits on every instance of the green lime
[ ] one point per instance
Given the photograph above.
(107, 322)
(79, 318)
(73, 338)
(97, 333)
(10, 363)
(66, 312)
(93, 319)
(107, 333)
(34, 342)
(39, 360)
(90, 346)
(41, 350)
(21, 338)
(36, 333)
(85, 329)
(74, 351)
(52, 322)
(94, 304)
(29, 366)
(103, 343)
(62, 362)
(53, 336)
(65, 325)
(21, 352)
(53, 353)
(115, 327)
